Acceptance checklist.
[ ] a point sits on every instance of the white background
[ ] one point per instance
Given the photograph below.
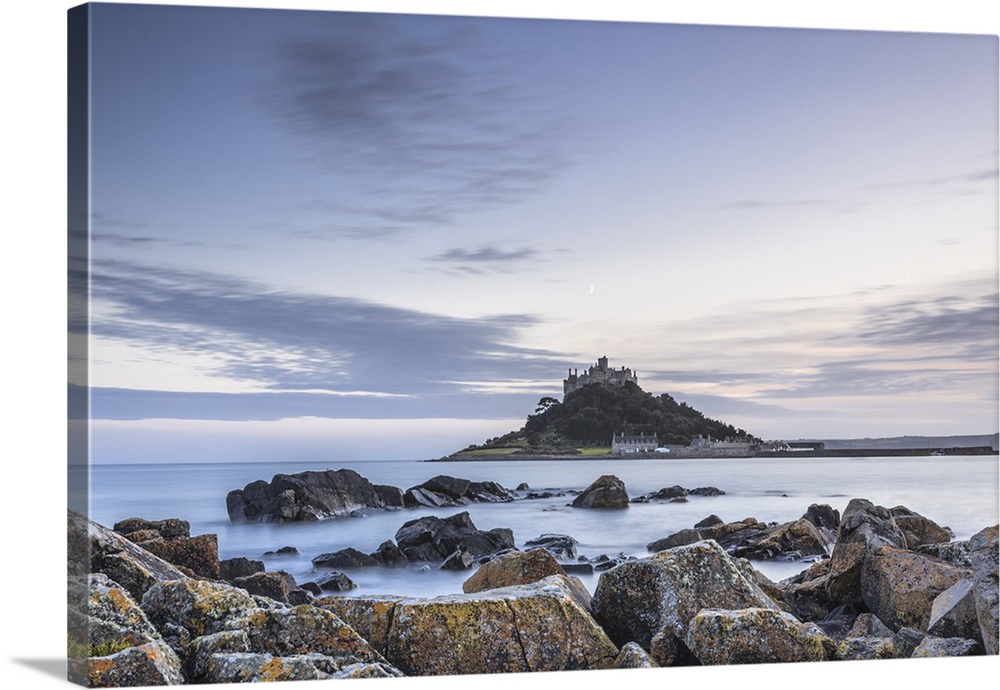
(33, 486)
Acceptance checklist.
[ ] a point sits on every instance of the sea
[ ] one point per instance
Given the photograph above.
(960, 492)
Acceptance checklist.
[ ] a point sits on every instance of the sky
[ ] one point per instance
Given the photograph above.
(325, 234)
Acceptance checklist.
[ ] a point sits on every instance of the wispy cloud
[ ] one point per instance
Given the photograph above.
(973, 177)
(288, 341)
(415, 123)
(485, 259)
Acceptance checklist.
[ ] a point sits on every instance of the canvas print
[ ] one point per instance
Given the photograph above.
(408, 345)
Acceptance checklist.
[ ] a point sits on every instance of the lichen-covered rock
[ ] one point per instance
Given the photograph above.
(652, 600)
(153, 663)
(907, 640)
(606, 492)
(307, 630)
(115, 619)
(867, 647)
(273, 584)
(513, 568)
(918, 530)
(900, 586)
(101, 550)
(868, 625)
(754, 636)
(370, 616)
(946, 646)
(199, 554)
(170, 528)
(632, 655)
(953, 613)
(806, 594)
(198, 607)
(863, 526)
(823, 516)
(986, 586)
(503, 630)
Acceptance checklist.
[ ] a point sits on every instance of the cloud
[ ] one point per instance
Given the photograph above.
(754, 204)
(973, 177)
(288, 341)
(415, 121)
(484, 259)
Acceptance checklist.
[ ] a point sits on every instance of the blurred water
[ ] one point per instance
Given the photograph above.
(960, 492)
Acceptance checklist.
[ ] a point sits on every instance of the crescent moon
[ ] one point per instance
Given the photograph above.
(590, 290)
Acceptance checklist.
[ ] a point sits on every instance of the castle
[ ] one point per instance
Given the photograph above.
(599, 373)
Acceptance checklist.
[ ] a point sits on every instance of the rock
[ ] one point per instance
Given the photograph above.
(710, 521)
(523, 486)
(868, 625)
(505, 630)
(170, 528)
(444, 491)
(652, 600)
(561, 546)
(681, 538)
(433, 539)
(806, 594)
(232, 568)
(345, 558)
(123, 647)
(706, 491)
(907, 640)
(284, 551)
(863, 526)
(754, 636)
(823, 516)
(105, 551)
(632, 655)
(793, 540)
(900, 586)
(153, 663)
(336, 582)
(196, 607)
(946, 646)
(460, 560)
(918, 530)
(955, 552)
(984, 556)
(607, 492)
(664, 494)
(305, 496)
(953, 613)
(276, 585)
(513, 568)
(308, 630)
(199, 554)
(389, 555)
(370, 616)
(871, 647)
(839, 622)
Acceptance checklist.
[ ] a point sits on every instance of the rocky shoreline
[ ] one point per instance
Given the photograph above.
(155, 605)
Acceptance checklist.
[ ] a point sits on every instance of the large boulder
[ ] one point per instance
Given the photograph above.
(199, 555)
(97, 549)
(232, 568)
(946, 646)
(755, 636)
(431, 538)
(953, 613)
(651, 601)
(984, 556)
(124, 649)
(607, 491)
(505, 630)
(900, 586)
(513, 568)
(192, 608)
(561, 546)
(863, 527)
(307, 496)
(790, 540)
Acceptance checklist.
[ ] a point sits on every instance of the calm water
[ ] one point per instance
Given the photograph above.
(960, 492)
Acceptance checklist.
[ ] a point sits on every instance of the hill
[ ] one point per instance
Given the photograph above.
(589, 416)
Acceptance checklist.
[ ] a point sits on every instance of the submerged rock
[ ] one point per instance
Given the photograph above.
(307, 496)
(606, 492)
(432, 538)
